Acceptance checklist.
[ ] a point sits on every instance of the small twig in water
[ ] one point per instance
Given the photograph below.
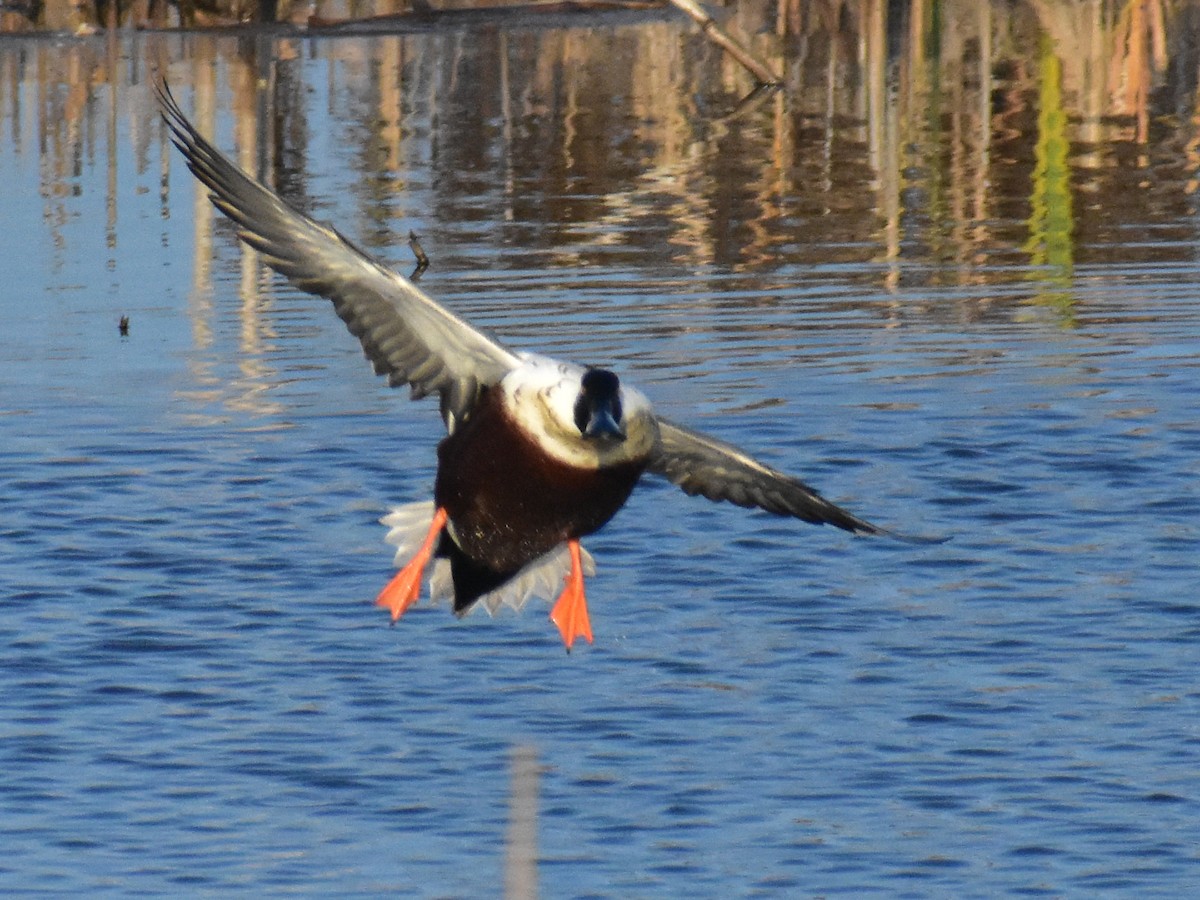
(422, 260)
(718, 36)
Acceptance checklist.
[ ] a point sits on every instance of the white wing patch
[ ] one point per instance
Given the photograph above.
(407, 527)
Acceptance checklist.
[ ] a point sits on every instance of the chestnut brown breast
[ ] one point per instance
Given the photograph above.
(510, 501)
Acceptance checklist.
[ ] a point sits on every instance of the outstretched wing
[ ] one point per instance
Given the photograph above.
(703, 465)
(404, 333)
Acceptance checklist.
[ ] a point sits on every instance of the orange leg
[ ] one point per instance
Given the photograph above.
(570, 611)
(403, 590)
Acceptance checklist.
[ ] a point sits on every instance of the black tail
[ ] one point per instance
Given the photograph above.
(471, 579)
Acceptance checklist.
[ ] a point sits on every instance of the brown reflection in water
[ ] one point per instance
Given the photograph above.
(200, 298)
(920, 144)
(250, 390)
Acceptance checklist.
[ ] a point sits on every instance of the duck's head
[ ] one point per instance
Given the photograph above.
(583, 416)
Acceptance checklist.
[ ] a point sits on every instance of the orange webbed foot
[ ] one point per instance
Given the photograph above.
(570, 610)
(403, 590)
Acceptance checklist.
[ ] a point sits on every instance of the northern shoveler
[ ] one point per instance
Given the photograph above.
(538, 453)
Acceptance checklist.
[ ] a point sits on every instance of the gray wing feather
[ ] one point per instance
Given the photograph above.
(704, 465)
(405, 334)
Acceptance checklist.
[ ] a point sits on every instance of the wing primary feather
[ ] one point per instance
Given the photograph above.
(407, 336)
(703, 465)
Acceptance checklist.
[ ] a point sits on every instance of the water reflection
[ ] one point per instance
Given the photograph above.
(938, 144)
(958, 144)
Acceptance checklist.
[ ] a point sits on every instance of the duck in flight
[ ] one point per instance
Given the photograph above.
(538, 453)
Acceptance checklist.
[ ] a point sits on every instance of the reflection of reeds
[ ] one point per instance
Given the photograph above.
(1111, 54)
(1052, 220)
(520, 845)
(899, 129)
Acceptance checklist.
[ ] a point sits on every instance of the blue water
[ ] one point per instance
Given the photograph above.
(197, 696)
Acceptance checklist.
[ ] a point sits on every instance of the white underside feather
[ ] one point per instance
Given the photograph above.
(407, 527)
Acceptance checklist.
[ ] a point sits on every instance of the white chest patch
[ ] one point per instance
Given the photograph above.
(541, 394)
